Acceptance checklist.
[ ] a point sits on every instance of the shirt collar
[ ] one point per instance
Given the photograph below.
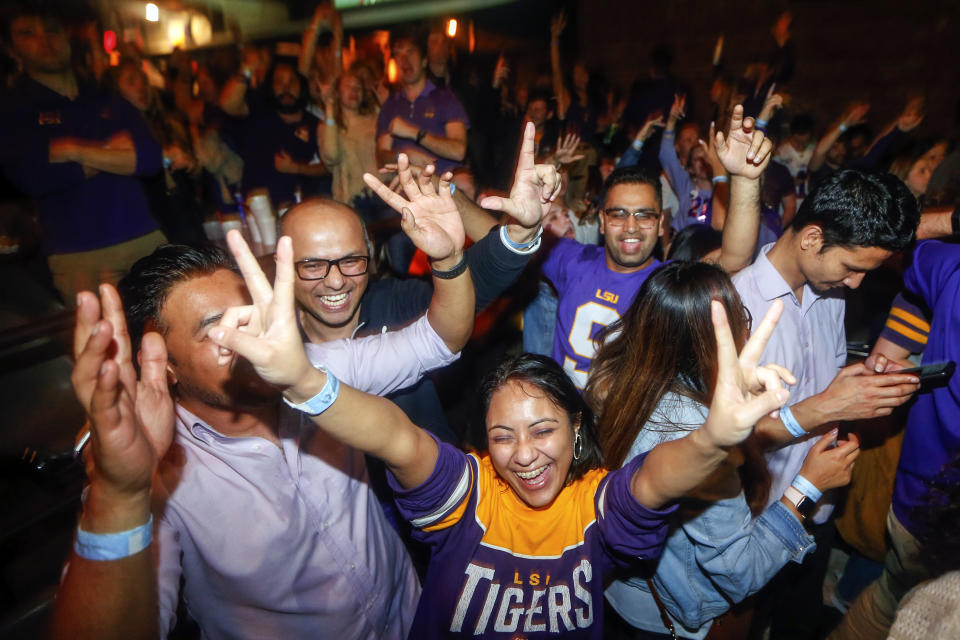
(772, 285)
(428, 88)
(200, 430)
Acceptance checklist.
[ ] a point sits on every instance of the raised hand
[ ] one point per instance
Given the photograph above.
(745, 391)
(678, 108)
(829, 468)
(265, 333)
(653, 122)
(534, 187)
(772, 102)
(429, 216)
(912, 115)
(709, 147)
(131, 419)
(500, 72)
(566, 151)
(744, 151)
(557, 25)
(856, 114)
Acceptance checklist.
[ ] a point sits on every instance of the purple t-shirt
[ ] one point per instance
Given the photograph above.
(932, 436)
(431, 111)
(500, 569)
(591, 296)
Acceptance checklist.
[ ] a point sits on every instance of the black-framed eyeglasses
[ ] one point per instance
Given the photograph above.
(748, 317)
(318, 268)
(645, 218)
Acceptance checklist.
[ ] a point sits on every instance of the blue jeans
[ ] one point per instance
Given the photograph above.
(540, 321)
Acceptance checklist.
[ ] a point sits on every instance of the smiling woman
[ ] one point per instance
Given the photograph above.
(525, 535)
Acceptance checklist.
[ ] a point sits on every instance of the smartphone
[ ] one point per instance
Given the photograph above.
(932, 375)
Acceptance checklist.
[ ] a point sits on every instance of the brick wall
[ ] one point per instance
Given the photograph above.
(879, 51)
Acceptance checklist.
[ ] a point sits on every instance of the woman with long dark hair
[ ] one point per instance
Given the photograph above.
(651, 383)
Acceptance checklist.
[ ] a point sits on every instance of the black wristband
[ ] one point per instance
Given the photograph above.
(955, 222)
(452, 273)
(421, 135)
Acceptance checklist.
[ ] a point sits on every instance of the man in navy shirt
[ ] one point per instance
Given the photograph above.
(79, 154)
(274, 134)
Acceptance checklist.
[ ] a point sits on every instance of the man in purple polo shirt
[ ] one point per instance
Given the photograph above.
(80, 154)
(427, 123)
(931, 440)
(849, 226)
(267, 521)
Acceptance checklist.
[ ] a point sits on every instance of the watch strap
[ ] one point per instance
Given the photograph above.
(804, 505)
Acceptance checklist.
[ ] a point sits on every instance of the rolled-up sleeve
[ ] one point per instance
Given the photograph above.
(386, 362)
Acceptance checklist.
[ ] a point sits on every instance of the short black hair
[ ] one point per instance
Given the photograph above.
(14, 9)
(415, 35)
(541, 94)
(547, 376)
(858, 209)
(801, 124)
(144, 289)
(635, 174)
(693, 242)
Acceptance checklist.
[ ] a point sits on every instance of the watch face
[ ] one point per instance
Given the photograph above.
(806, 506)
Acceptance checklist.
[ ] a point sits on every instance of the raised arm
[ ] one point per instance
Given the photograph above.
(856, 114)
(557, 26)
(744, 392)
(673, 165)
(431, 220)
(132, 426)
(745, 153)
(233, 97)
(269, 338)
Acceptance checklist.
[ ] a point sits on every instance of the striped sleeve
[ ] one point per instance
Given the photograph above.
(908, 324)
(441, 500)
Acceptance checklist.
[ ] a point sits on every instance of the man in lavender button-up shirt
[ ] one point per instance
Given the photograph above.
(269, 523)
(851, 225)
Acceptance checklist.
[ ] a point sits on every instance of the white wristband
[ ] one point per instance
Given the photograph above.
(113, 546)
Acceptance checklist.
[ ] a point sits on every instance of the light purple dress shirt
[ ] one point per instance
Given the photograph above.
(291, 543)
(810, 341)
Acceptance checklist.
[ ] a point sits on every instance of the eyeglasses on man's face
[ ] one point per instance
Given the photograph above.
(318, 268)
(645, 218)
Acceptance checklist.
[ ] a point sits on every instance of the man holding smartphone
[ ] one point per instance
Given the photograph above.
(851, 225)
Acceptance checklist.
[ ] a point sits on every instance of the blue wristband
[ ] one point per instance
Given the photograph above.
(322, 401)
(719, 179)
(843, 128)
(518, 247)
(786, 417)
(760, 124)
(806, 487)
(638, 144)
(113, 546)
(329, 121)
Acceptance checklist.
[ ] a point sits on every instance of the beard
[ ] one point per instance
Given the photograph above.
(287, 103)
(244, 390)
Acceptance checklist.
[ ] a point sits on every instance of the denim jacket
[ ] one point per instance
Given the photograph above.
(711, 560)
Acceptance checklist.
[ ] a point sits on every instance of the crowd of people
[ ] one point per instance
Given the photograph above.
(674, 450)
